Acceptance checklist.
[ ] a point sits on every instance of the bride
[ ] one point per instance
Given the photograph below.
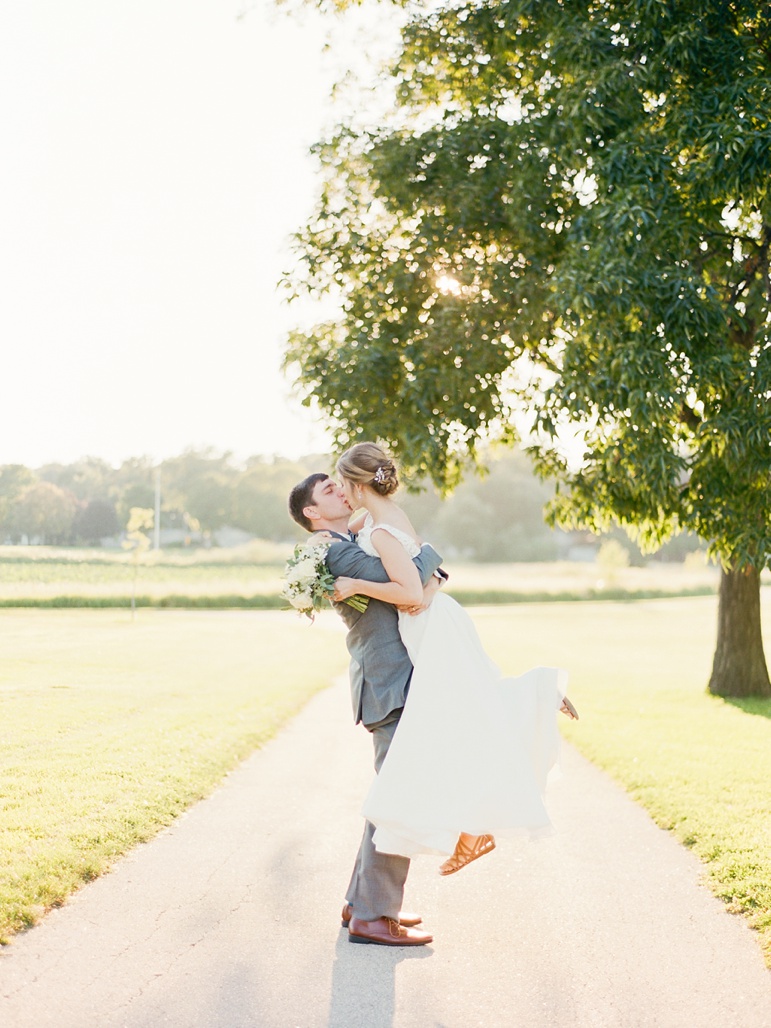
(473, 750)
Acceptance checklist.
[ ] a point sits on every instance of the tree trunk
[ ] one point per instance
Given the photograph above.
(739, 667)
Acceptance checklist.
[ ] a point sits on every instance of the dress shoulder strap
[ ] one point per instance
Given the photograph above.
(401, 536)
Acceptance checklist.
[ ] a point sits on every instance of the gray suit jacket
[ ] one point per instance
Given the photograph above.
(380, 666)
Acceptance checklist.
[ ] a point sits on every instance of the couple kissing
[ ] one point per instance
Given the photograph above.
(461, 752)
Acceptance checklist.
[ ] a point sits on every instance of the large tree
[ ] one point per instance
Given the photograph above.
(201, 482)
(95, 520)
(568, 213)
(44, 513)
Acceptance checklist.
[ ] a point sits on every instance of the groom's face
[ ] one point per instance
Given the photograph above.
(328, 502)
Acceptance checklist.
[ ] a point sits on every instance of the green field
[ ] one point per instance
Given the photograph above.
(110, 728)
(40, 573)
(250, 576)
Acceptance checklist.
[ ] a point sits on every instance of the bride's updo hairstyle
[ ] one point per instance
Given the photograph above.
(369, 464)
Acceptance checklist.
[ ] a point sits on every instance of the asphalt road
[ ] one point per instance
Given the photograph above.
(229, 919)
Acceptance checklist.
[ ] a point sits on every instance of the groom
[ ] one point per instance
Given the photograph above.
(380, 674)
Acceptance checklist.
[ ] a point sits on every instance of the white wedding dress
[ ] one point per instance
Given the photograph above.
(473, 749)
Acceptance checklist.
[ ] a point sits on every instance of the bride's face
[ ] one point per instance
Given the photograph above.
(349, 491)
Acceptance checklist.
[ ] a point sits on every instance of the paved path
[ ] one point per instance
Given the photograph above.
(229, 919)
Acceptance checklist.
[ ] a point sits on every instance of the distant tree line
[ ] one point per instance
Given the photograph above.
(201, 491)
(498, 517)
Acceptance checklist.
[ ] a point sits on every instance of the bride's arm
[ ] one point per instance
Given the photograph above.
(405, 586)
(356, 523)
(430, 589)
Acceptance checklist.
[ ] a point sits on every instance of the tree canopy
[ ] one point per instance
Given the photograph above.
(567, 215)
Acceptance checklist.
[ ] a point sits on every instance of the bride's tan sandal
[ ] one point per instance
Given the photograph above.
(468, 848)
(568, 708)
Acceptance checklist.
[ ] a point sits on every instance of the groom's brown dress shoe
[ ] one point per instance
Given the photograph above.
(386, 932)
(407, 920)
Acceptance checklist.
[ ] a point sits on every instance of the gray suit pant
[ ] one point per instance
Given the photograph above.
(376, 888)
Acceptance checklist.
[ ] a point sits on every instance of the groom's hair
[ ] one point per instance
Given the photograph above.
(302, 496)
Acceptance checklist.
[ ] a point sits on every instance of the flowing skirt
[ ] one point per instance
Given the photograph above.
(473, 749)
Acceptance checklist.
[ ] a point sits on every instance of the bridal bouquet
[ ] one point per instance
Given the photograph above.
(308, 581)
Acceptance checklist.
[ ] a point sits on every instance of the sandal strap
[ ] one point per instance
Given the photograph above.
(464, 853)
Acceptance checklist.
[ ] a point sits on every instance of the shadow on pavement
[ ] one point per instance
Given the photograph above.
(364, 983)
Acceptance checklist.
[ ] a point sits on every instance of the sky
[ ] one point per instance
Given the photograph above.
(155, 162)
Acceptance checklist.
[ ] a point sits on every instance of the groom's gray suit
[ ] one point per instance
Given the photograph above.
(380, 676)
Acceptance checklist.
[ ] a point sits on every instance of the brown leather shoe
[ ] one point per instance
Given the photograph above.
(407, 920)
(386, 932)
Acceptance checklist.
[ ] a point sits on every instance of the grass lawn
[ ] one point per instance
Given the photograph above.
(700, 765)
(110, 728)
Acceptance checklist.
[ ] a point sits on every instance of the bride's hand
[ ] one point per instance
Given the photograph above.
(429, 592)
(344, 588)
(324, 537)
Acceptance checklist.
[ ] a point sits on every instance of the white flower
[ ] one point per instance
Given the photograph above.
(302, 601)
(300, 574)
